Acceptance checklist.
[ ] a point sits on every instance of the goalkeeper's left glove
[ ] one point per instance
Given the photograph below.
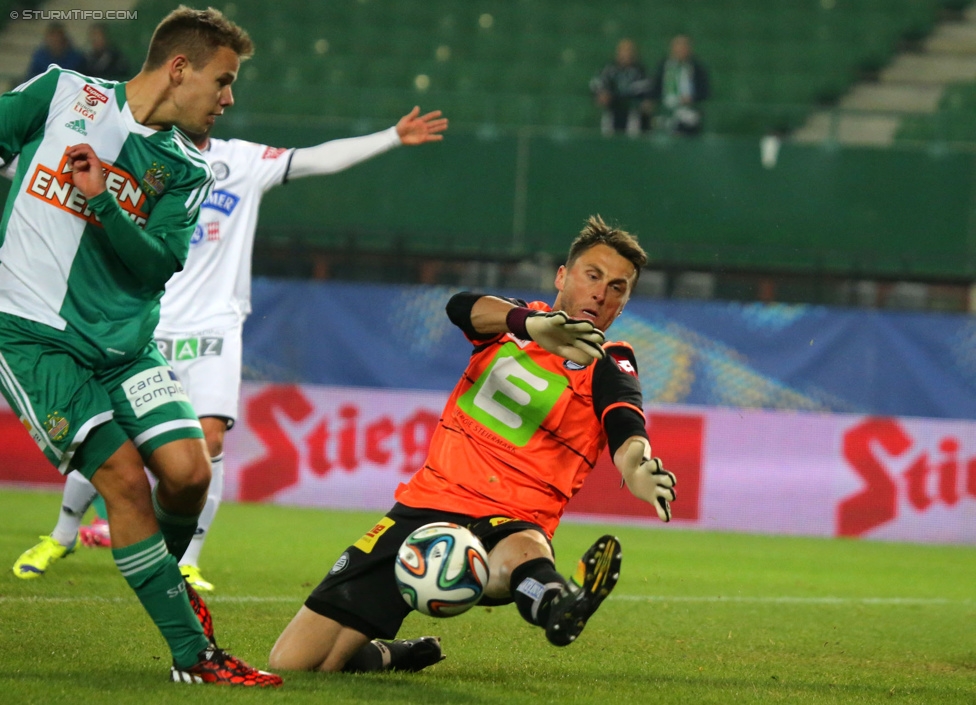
(647, 479)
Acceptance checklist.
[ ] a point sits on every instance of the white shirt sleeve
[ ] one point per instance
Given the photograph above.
(336, 155)
(267, 166)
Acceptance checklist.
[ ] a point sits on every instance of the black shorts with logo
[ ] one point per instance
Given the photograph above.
(360, 590)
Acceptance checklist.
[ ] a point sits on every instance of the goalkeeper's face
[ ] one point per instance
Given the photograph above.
(595, 286)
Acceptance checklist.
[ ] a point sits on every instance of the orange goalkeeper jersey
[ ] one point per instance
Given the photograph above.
(521, 430)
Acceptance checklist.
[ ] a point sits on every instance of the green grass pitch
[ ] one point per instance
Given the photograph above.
(696, 618)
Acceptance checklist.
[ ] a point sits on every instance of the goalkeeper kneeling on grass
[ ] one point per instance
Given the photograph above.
(542, 395)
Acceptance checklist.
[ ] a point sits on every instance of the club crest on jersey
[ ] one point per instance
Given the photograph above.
(90, 102)
(154, 180)
(55, 187)
(56, 426)
(220, 170)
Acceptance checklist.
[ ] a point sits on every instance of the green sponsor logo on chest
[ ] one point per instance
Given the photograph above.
(513, 396)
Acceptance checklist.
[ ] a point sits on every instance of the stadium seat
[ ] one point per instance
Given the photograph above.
(568, 111)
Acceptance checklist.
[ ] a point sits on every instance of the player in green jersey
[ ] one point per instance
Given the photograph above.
(104, 201)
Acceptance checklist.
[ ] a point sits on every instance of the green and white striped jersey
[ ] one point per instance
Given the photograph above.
(95, 269)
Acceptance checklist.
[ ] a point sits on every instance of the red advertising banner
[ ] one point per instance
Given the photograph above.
(21, 461)
(905, 479)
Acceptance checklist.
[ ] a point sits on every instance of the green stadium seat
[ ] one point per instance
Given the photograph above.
(389, 72)
(569, 79)
(542, 49)
(469, 109)
(515, 110)
(338, 13)
(493, 45)
(442, 75)
(500, 13)
(413, 43)
(568, 111)
(537, 18)
(479, 77)
(337, 71)
(580, 18)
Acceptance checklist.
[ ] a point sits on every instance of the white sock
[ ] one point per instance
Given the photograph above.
(192, 555)
(78, 495)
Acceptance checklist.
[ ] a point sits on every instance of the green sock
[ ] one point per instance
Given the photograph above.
(99, 504)
(155, 577)
(178, 529)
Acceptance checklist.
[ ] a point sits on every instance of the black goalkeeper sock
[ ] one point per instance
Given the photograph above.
(399, 654)
(534, 585)
(370, 657)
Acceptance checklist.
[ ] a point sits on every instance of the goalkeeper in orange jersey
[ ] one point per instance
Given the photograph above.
(542, 396)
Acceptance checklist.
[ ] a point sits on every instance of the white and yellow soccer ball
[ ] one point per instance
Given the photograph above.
(441, 569)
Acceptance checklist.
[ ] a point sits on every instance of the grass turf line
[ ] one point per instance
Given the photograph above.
(698, 617)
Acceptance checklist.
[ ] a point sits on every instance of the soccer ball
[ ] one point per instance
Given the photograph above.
(441, 569)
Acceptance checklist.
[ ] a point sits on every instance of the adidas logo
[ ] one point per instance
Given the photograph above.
(77, 125)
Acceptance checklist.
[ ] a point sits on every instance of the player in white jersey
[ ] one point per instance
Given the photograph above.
(103, 205)
(205, 305)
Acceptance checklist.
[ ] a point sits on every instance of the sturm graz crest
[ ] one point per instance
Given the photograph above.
(220, 170)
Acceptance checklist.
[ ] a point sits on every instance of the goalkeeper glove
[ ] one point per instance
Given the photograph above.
(647, 479)
(571, 338)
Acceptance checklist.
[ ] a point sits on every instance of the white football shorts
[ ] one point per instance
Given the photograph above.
(208, 365)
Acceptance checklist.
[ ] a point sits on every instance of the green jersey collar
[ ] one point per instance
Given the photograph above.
(129, 119)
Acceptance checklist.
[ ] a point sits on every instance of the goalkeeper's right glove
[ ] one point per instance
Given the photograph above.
(571, 338)
(647, 479)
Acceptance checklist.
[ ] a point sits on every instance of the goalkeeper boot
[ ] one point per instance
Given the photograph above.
(194, 578)
(596, 575)
(35, 561)
(202, 612)
(410, 654)
(220, 668)
(96, 534)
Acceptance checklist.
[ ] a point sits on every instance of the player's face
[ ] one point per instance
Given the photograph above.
(204, 92)
(596, 286)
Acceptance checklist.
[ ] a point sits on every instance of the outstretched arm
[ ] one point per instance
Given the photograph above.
(484, 316)
(337, 155)
(645, 476)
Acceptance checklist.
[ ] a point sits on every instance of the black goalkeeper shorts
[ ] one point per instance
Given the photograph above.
(360, 590)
